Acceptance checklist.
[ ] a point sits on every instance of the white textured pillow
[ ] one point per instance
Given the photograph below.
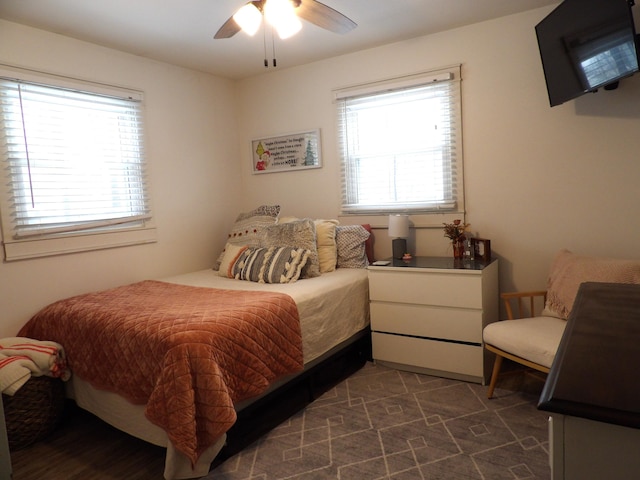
(287, 219)
(247, 227)
(326, 243)
(350, 242)
(296, 234)
(231, 254)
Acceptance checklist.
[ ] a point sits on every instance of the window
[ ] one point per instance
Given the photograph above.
(74, 165)
(400, 143)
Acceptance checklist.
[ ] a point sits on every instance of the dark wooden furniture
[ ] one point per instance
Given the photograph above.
(595, 372)
(593, 388)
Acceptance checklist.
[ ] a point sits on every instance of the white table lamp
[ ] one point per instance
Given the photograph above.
(399, 231)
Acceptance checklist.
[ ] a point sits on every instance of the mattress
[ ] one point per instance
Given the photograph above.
(332, 308)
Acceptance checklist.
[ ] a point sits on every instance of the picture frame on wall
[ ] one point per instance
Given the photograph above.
(286, 152)
(481, 249)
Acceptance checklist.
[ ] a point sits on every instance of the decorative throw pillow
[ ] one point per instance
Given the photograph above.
(350, 241)
(296, 234)
(326, 244)
(247, 227)
(270, 264)
(231, 254)
(569, 270)
(287, 219)
(368, 244)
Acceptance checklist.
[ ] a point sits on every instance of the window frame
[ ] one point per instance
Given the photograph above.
(421, 217)
(109, 234)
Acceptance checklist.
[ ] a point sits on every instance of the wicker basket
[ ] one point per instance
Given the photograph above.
(34, 411)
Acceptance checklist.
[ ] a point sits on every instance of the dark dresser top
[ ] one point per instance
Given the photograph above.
(596, 371)
(446, 263)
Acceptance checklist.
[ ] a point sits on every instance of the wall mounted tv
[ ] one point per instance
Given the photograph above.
(585, 45)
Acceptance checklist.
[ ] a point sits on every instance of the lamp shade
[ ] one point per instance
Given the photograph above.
(399, 226)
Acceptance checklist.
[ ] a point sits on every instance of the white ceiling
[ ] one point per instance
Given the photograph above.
(181, 31)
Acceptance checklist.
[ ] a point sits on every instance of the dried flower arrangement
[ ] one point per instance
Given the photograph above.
(455, 231)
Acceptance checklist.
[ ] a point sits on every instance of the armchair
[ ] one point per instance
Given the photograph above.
(528, 340)
(531, 335)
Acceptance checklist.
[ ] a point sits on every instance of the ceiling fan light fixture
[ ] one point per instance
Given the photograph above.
(249, 19)
(281, 14)
(288, 28)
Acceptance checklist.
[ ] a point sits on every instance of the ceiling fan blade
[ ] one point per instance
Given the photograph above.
(325, 17)
(228, 30)
(231, 27)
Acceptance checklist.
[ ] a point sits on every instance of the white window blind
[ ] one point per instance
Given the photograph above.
(74, 163)
(400, 144)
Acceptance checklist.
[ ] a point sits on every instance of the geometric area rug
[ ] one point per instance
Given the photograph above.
(387, 424)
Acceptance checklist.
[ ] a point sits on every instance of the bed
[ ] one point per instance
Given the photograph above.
(329, 309)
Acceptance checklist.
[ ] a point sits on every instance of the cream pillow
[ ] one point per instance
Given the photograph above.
(230, 256)
(247, 227)
(287, 219)
(326, 243)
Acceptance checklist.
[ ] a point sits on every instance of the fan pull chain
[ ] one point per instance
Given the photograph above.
(273, 47)
(264, 42)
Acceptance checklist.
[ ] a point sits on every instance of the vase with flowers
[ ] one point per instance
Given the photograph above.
(456, 233)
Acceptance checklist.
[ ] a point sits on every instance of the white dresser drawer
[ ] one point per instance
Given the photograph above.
(427, 315)
(432, 354)
(415, 286)
(464, 325)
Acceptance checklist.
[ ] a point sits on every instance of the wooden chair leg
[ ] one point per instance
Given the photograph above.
(497, 364)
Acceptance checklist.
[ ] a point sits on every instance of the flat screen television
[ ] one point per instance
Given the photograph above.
(585, 45)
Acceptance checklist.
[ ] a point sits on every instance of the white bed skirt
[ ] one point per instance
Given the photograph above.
(130, 418)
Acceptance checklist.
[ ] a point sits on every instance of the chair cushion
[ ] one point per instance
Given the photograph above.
(535, 339)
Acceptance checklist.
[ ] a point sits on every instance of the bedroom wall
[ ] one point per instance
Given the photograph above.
(190, 147)
(537, 179)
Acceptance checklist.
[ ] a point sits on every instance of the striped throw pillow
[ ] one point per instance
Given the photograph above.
(270, 264)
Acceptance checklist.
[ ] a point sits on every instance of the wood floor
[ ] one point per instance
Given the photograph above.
(85, 448)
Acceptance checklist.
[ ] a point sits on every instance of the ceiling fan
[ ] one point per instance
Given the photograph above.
(310, 10)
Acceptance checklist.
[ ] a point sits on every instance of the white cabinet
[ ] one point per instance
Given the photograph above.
(583, 449)
(427, 315)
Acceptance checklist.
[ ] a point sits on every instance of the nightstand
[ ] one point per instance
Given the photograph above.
(427, 315)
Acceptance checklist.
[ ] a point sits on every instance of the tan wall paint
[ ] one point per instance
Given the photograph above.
(191, 149)
(537, 179)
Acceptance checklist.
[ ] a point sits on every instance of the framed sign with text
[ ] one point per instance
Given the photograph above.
(284, 153)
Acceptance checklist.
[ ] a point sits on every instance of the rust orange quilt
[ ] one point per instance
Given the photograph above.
(188, 353)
